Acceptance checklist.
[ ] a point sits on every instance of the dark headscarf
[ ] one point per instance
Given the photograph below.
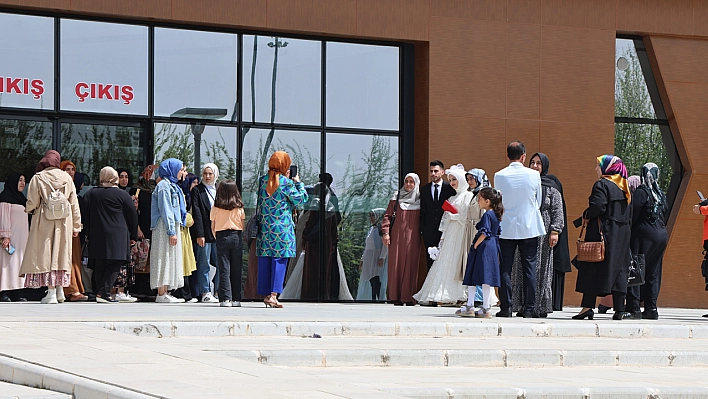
(130, 177)
(10, 193)
(79, 180)
(51, 159)
(650, 184)
(186, 184)
(561, 252)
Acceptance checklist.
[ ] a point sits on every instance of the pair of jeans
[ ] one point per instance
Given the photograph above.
(528, 251)
(204, 256)
(229, 246)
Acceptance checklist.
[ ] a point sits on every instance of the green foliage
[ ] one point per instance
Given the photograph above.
(22, 145)
(638, 144)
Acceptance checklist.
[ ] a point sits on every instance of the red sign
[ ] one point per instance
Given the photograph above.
(24, 86)
(100, 91)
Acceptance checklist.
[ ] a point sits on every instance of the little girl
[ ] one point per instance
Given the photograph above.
(227, 221)
(483, 259)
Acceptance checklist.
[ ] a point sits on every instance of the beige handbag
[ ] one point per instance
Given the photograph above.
(591, 251)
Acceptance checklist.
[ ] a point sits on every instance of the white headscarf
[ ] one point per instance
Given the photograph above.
(459, 172)
(409, 200)
(214, 169)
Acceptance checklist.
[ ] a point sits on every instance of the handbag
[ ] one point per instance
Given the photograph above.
(253, 227)
(139, 253)
(704, 267)
(637, 268)
(588, 251)
(395, 208)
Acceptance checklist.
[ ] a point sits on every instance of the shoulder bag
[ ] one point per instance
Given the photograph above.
(636, 270)
(592, 252)
(393, 215)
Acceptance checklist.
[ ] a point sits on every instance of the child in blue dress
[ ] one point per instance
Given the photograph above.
(483, 258)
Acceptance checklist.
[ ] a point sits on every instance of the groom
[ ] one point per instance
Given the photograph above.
(432, 196)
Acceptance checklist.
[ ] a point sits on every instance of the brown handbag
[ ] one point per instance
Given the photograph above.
(591, 251)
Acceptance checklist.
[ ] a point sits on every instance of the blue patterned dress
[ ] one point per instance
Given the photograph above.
(277, 234)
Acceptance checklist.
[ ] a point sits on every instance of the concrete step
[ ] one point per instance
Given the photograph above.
(457, 328)
(14, 391)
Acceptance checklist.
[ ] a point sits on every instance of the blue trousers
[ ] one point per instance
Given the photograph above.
(271, 273)
(205, 256)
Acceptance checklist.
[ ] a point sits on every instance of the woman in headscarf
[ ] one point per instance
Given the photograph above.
(444, 281)
(111, 224)
(142, 194)
(187, 182)
(125, 179)
(14, 228)
(203, 240)
(75, 292)
(372, 260)
(401, 234)
(169, 212)
(649, 237)
(552, 213)
(68, 167)
(47, 261)
(609, 214)
(278, 194)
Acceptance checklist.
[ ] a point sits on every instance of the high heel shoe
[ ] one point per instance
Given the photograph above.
(268, 302)
(588, 313)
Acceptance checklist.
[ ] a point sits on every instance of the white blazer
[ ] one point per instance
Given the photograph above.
(521, 195)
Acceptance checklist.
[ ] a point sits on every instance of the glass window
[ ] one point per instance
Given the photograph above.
(104, 67)
(363, 174)
(27, 61)
(638, 144)
(217, 145)
(362, 86)
(22, 145)
(195, 70)
(282, 80)
(92, 147)
(304, 150)
(631, 94)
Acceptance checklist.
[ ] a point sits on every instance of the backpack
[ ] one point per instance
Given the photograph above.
(56, 206)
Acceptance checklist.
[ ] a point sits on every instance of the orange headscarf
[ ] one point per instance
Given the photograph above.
(66, 163)
(278, 164)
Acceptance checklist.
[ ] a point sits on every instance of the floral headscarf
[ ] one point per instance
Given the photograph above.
(613, 169)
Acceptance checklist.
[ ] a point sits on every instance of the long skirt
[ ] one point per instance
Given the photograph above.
(166, 267)
(544, 279)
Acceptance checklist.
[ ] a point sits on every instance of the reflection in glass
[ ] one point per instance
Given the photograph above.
(281, 80)
(362, 86)
(304, 150)
(22, 145)
(364, 172)
(218, 145)
(638, 144)
(631, 93)
(91, 147)
(104, 67)
(195, 69)
(26, 61)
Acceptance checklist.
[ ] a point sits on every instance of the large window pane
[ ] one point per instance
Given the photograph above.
(282, 80)
(362, 86)
(104, 67)
(631, 94)
(26, 61)
(22, 145)
(364, 174)
(217, 144)
(638, 144)
(304, 150)
(195, 70)
(91, 147)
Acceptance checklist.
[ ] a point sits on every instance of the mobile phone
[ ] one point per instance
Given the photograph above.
(293, 171)
(700, 195)
(10, 249)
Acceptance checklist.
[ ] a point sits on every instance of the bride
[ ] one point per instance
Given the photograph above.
(442, 284)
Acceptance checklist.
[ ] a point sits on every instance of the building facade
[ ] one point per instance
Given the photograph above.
(365, 90)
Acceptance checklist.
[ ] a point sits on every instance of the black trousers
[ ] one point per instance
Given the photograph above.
(528, 251)
(229, 252)
(105, 272)
(618, 298)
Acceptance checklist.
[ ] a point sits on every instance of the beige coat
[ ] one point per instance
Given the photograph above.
(49, 241)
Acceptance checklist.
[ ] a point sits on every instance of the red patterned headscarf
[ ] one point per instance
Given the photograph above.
(613, 169)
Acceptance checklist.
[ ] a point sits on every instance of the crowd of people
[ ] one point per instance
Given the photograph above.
(158, 238)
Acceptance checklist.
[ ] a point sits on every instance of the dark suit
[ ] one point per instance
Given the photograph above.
(431, 213)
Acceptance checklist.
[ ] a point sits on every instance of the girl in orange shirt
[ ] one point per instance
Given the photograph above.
(227, 218)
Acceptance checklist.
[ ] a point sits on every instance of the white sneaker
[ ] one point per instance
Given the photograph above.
(50, 298)
(167, 298)
(192, 300)
(125, 298)
(225, 304)
(60, 294)
(209, 298)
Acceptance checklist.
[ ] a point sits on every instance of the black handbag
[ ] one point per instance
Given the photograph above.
(253, 227)
(636, 270)
(704, 266)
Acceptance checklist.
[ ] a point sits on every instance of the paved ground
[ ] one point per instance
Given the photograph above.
(366, 350)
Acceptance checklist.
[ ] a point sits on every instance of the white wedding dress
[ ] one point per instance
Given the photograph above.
(442, 284)
(293, 286)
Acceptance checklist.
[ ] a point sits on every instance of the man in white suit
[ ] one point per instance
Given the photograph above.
(521, 226)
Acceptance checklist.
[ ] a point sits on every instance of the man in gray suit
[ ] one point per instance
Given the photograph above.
(521, 226)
